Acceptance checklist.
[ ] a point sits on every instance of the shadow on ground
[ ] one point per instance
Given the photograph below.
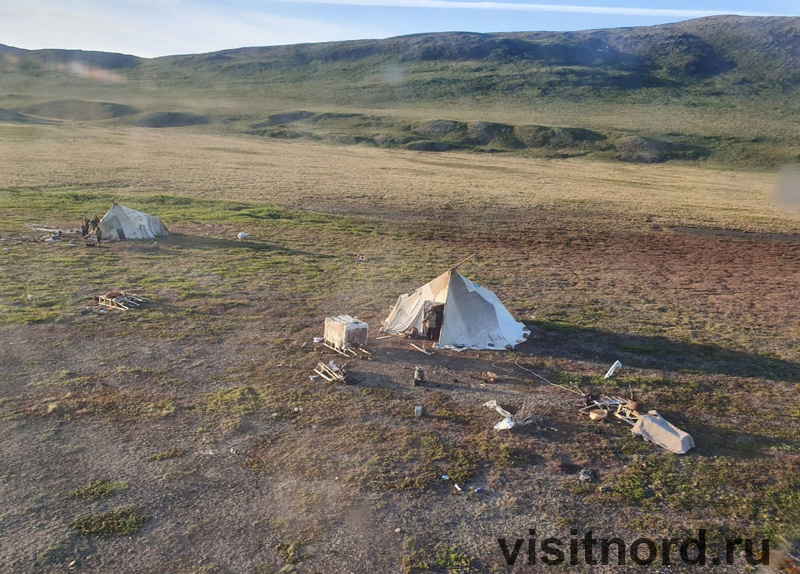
(188, 241)
(654, 352)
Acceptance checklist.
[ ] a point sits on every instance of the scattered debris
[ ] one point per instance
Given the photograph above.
(318, 339)
(417, 411)
(360, 257)
(478, 489)
(587, 475)
(458, 488)
(121, 300)
(445, 477)
(613, 369)
(603, 403)
(598, 415)
(524, 416)
(331, 372)
(243, 235)
(651, 426)
(48, 229)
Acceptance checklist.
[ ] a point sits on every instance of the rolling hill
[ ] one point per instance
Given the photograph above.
(686, 90)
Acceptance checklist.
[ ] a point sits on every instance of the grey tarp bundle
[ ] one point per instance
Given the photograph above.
(474, 318)
(121, 222)
(654, 428)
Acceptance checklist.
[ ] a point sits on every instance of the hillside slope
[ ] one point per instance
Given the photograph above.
(696, 83)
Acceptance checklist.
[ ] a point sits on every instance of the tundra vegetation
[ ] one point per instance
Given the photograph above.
(626, 212)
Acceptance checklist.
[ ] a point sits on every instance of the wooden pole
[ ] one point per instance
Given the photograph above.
(463, 261)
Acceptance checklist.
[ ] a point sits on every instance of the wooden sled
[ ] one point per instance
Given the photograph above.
(121, 300)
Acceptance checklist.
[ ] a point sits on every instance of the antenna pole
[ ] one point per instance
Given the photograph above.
(463, 261)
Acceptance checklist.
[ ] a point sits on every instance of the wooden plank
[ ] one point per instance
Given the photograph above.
(332, 348)
(324, 376)
(421, 350)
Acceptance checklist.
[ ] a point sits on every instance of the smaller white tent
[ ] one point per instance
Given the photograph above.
(654, 428)
(473, 316)
(124, 223)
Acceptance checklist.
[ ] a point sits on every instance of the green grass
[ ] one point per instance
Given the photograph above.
(661, 481)
(168, 454)
(450, 559)
(99, 489)
(290, 551)
(123, 521)
(233, 404)
(72, 205)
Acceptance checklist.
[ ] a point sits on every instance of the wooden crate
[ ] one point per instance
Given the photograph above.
(344, 332)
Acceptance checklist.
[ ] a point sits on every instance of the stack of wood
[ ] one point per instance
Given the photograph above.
(331, 372)
(121, 300)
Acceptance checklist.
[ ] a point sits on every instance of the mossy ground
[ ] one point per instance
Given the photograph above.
(123, 521)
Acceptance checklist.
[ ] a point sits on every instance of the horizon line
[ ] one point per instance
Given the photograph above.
(534, 7)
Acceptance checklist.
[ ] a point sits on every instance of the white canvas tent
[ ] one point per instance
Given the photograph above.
(654, 428)
(124, 223)
(473, 318)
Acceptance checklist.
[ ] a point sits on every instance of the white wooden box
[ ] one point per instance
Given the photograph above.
(344, 331)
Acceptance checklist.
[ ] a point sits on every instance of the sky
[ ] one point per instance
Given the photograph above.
(151, 28)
